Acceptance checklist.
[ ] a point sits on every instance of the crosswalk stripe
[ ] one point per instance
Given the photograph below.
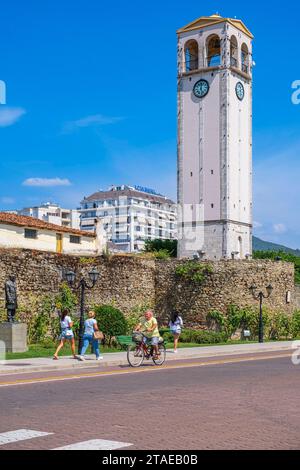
(20, 435)
(95, 444)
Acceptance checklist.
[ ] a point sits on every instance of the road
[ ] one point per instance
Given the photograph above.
(244, 402)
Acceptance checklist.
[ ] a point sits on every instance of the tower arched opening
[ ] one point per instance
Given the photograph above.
(191, 52)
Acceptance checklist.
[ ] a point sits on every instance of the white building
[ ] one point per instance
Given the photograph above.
(130, 215)
(18, 231)
(215, 138)
(53, 214)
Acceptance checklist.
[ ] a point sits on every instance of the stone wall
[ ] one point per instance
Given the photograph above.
(131, 281)
(126, 281)
(297, 296)
(229, 283)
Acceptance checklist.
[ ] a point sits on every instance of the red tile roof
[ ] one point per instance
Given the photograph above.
(32, 222)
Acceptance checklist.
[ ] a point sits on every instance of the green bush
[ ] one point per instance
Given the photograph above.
(43, 321)
(162, 254)
(168, 246)
(193, 271)
(167, 335)
(276, 325)
(295, 324)
(202, 337)
(66, 299)
(111, 322)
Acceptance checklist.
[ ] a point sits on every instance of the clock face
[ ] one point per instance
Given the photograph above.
(201, 88)
(240, 91)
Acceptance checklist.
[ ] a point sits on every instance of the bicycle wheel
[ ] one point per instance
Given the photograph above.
(162, 356)
(135, 355)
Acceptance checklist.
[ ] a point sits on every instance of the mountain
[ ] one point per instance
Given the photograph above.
(261, 245)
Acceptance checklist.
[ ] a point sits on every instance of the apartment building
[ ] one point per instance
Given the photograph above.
(53, 214)
(130, 216)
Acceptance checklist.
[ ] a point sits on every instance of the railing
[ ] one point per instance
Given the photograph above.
(245, 68)
(120, 240)
(233, 62)
(191, 64)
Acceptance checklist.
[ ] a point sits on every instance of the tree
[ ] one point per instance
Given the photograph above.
(111, 321)
(155, 246)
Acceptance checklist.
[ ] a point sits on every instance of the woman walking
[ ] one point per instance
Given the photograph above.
(67, 334)
(176, 325)
(90, 327)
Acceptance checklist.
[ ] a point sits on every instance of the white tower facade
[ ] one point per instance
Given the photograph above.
(215, 139)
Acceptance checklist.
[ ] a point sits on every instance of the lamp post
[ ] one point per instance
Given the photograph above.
(82, 286)
(260, 296)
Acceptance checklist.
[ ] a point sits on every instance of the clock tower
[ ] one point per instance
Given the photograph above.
(215, 139)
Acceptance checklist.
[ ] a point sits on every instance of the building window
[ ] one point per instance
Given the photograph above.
(29, 233)
(212, 206)
(75, 239)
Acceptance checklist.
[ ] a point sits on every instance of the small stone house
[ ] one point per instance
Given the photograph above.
(17, 231)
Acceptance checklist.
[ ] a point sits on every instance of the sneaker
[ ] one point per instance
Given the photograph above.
(175, 351)
(81, 358)
(99, 358)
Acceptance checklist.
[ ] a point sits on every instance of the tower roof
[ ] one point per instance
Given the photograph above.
(205, 21)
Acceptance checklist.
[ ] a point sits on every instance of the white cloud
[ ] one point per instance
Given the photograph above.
(46, 182)
(257, 224)
(88, 121)
(279, 228)
(9, 116)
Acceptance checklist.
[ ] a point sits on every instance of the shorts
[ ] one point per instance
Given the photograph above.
(66, 335)
(176, 333)
(154, 340)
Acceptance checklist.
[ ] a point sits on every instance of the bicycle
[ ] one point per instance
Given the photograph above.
(138, 352)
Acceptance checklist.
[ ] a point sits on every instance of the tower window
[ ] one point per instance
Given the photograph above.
(191, 55)
(233, 52)
(212, 206)
(245, 58)
(212, 172)
(213, 51)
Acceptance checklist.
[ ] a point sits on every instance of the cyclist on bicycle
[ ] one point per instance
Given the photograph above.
(149, 327)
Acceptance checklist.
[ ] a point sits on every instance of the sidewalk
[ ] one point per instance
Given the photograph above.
(120, 358)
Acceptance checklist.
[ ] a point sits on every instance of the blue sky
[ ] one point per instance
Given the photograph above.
(91, 101)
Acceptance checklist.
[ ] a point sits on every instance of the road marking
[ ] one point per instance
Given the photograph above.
(20, 435)
(96, 444)
(141, 370)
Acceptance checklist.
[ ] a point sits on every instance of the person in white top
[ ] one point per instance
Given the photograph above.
(67, 334)
(90, 326)
(176, 325)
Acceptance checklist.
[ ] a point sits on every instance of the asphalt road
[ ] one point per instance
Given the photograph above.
(225, 403)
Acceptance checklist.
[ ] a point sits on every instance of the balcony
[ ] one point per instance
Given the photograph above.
(120, 240)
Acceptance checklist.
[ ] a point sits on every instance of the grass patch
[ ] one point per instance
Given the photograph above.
(38, 350)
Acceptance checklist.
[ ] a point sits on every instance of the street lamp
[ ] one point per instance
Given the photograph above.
(82, 285)
(260, 296)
